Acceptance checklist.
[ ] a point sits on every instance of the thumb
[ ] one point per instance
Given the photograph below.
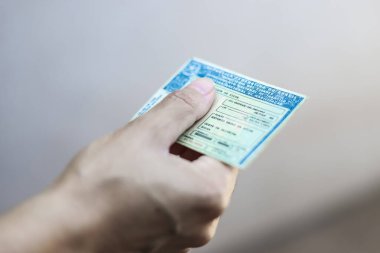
(179, 110)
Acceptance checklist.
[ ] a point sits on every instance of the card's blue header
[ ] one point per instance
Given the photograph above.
(234, 82)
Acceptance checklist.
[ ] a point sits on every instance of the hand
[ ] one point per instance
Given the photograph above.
(134, 191)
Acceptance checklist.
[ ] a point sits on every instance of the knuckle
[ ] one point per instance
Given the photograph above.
(211, 203)
(184, 98)
(201, 238)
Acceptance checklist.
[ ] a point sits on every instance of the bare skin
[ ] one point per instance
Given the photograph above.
(130, 191)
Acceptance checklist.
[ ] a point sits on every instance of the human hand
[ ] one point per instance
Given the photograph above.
(134, 191)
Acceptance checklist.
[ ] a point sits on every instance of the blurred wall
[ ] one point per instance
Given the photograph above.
(352, 229)
(72, 70)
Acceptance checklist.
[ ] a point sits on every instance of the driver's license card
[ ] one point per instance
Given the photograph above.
(245, 115)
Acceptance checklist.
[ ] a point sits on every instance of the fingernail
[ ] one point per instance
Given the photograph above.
(203, 85)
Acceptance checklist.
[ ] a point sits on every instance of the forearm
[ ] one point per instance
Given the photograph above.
(67, 218)
(49, 222)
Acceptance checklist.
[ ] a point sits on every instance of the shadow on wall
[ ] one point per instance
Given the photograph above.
(353, 228)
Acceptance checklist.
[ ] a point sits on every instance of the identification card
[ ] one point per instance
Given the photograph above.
(245, 115)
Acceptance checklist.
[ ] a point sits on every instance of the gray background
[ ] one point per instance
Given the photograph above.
(71, 71)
